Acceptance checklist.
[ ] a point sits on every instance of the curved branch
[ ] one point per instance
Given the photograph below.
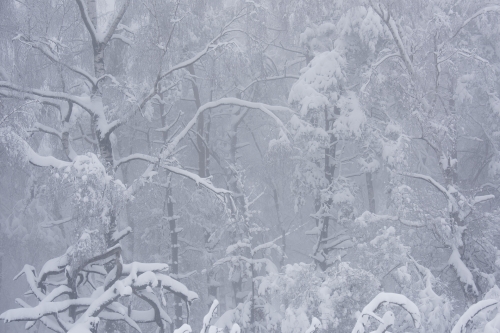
(461, 325)
(267, 109)
(42, 47)
(397, 299)
(434, 183)
(84, 103)
(133, 157)
(480, 12)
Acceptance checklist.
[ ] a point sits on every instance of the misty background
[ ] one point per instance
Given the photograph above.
(284, 166)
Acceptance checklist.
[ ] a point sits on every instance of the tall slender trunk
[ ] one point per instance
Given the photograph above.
(329, 169)
(238, 211)
(280, 225)
(200, 122)
(371, 193)
(174, 241)
(252, 307)
(128, 211)
(203, 155)
(174, 265)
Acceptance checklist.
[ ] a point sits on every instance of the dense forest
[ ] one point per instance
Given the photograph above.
(249, 166)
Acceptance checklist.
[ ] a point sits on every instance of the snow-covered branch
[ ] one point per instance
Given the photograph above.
(461, 325)
(267, 109)
(136, 156)
(389, 21)
(482, 11)
(47, 51)
(391, 298)
(135, 278)
(212, 313)
(83, 102)
(463, 273)
(205, 182)
(437, 185)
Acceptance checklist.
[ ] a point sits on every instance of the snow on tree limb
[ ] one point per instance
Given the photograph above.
(159, 314)
(437, 185)
(136, 156)
(42, 310)
(83, 102)
(119, 235)
(55, 223)
(30, 273)
(46, 50)
(48, 322)
(210, 46)
(386, 16)
(140, 267)
(185, 328)
(391, 298)
(369, 217)
(463, 273)
(315, 325)
(205, 182)
(482, 198)
(482, 11)
(461, 325)
(90, 325)
(176, 287)
(113, 316)
(209, 316)
(139, 278)
(267, 109)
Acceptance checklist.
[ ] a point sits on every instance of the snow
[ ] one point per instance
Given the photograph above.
(461, 92)
(235, 329)
(185, 328)
(44, 161)
(140, 276)
(315, 325)
(463, 273)
(461, 325)
(117, 235)
(146, 279)
(391, 298)
(30, 273)
(494, 103)
(48, 322)
(240, 244)
(318, 83)
(177, 287)
(140, 267)
(205, 182)
(87, 326)
(482, 198)
(41, 310)
(282, 143)
(209, 316)
(266, 109)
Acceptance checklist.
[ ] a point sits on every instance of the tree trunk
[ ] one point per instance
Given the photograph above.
(281, 226)
(200, 122)
(371, 193)
(174, 265)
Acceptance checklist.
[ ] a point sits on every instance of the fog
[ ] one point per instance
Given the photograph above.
(237, 166)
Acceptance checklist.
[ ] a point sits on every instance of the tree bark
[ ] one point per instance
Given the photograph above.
(371, 192)
(174, 265)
